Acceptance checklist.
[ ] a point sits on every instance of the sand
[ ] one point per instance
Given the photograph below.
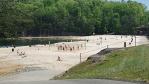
(45, 57)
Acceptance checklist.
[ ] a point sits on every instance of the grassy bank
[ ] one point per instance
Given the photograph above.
(129, 64)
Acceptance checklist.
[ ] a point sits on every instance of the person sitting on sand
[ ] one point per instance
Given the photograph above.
(59, 59)
(18, 52)
(24, 55)
(129, 43)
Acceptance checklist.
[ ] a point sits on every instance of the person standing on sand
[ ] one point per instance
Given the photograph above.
(131, 39)
(12, 49)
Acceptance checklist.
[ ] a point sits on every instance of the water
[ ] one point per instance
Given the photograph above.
(26, 42)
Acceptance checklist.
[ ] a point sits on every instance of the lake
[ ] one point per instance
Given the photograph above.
(33, 41)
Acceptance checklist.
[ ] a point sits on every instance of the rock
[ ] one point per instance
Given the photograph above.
(98, 57)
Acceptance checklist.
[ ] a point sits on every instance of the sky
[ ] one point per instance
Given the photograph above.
(145, 2)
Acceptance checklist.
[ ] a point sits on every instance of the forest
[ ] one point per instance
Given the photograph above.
(70, 17)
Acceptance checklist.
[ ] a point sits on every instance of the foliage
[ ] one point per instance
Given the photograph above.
(70, 17)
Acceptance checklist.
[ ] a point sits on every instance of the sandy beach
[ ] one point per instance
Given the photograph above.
(45, 57)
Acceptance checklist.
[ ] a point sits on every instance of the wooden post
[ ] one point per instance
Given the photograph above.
(80, 57)
(125, 45)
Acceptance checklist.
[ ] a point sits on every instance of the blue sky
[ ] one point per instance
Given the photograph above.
(145, 2)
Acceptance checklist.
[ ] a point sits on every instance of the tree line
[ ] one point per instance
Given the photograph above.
(70, 17)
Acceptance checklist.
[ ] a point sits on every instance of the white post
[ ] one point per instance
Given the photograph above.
(49, 44)
(80, 57)
(135, 40)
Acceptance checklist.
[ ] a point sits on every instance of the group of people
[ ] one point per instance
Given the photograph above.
(19, 53)
(69, 47)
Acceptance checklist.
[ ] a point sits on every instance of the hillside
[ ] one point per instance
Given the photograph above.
(128, 64)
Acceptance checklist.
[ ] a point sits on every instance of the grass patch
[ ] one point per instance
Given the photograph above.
(129, 64)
